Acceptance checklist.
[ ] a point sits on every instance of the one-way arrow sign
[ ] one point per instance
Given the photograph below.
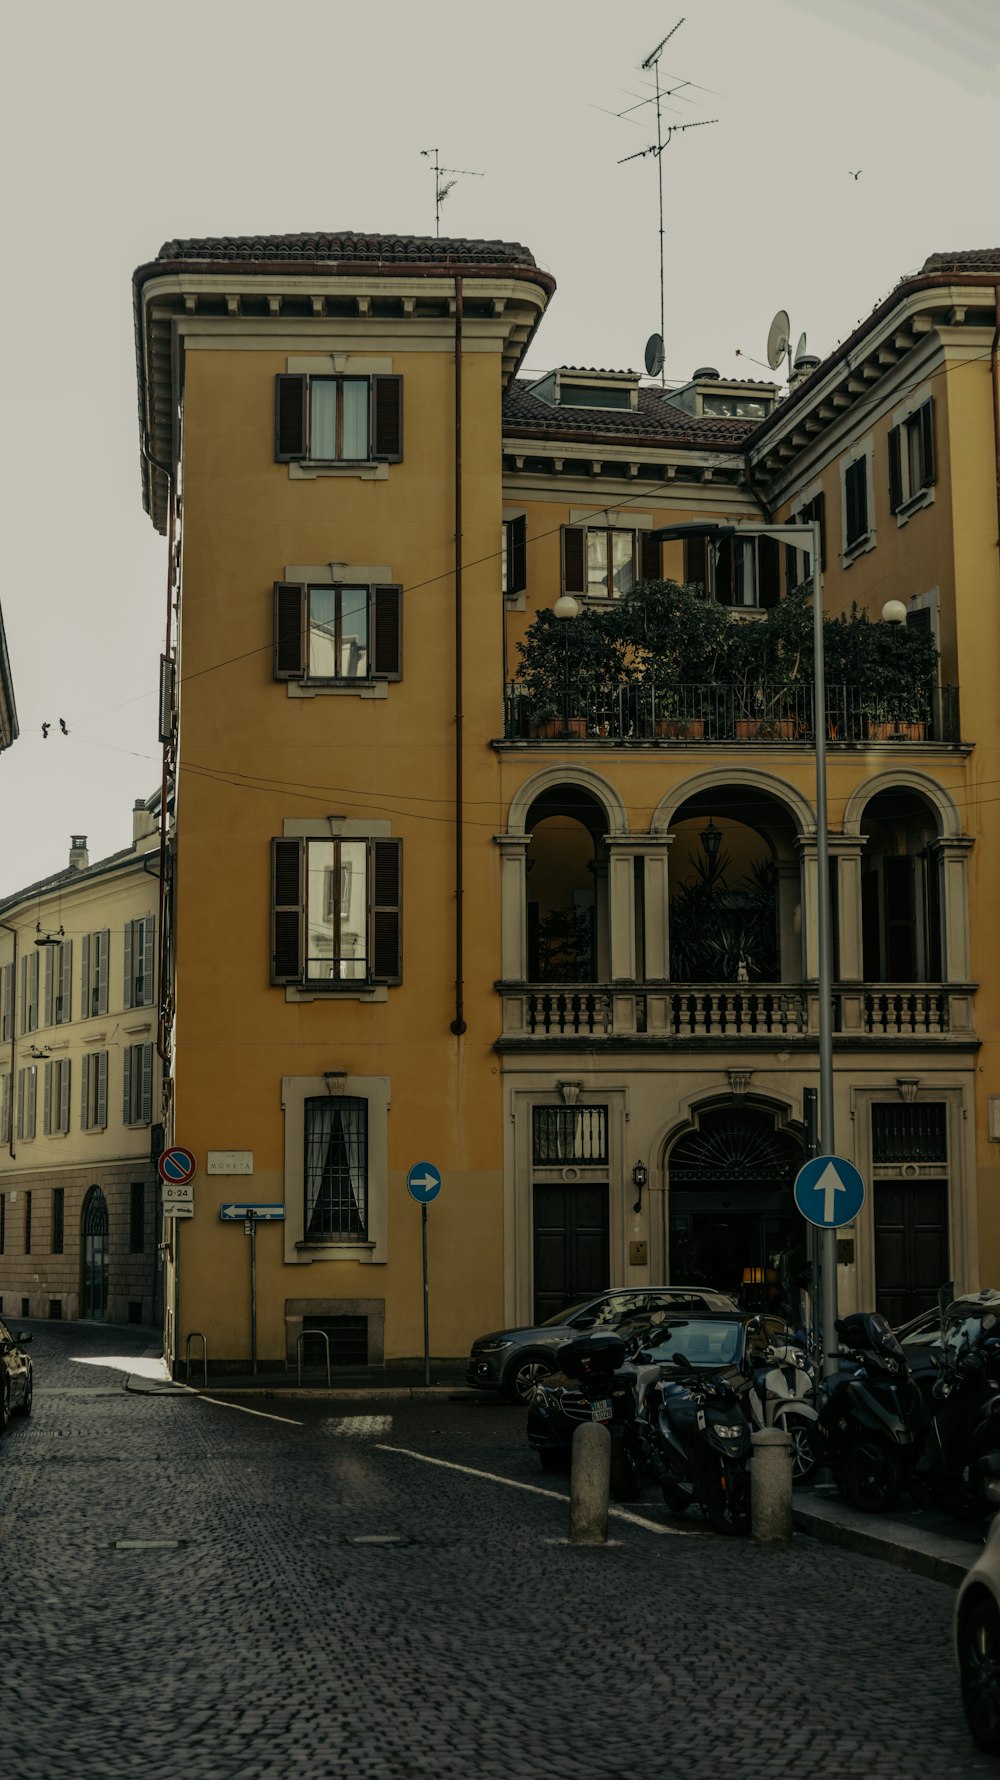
(236, 1214)
(829, 1191)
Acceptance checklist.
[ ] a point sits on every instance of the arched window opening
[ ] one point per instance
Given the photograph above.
(735, 894)
(900, 890)
(95, 1254)
(566, 889)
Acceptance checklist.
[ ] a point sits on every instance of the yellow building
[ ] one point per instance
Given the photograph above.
(543, 918)
(80, 1087)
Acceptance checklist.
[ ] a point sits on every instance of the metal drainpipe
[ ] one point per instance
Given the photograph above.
(13, 1039)
(996, 396)
(458, 1023)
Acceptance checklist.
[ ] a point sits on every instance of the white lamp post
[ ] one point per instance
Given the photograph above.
(565, 609)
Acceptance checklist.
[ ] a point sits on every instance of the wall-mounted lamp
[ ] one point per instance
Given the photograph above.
(894, 612)
(711, 838)
(640, 1176)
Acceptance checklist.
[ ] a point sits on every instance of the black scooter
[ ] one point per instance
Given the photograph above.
(697, 1429)
(871, 1420)
(593, 1362)
(959, 1468)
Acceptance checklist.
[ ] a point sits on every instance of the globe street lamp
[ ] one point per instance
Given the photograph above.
(565, 609)
(806, 535)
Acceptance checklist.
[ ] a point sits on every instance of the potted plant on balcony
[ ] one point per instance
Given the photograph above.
(896, 674)
(567, 668)
(674, 639)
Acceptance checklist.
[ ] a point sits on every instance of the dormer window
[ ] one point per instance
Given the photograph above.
(594, 395)
(571, 388)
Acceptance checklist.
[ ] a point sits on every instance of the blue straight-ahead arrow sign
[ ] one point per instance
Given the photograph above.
(829, 1191)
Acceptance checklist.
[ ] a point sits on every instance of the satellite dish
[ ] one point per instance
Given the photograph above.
(654, 355)
(777, 339)
(800, 350)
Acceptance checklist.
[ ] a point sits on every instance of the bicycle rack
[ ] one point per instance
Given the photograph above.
(306, 1335)
(196, 1335)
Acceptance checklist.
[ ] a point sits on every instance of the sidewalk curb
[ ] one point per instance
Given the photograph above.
(910, 1548)
(342, 1394)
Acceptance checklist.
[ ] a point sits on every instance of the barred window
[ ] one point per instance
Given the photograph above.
(336, 1169)
(910, 1133)
(58, 1219)
(569, 1134)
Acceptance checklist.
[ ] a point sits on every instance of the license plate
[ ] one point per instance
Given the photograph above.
(601, 1411)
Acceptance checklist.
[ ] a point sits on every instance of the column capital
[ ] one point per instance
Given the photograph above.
(638, 844)
(952, 846)
(512, 843)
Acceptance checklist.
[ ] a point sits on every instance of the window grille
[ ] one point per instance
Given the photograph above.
(58, 1219)
(336, 1169)
(910, 1133)
(569, 1134)
(348, 1337)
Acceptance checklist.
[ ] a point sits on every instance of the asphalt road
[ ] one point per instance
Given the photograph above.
(224, 1589)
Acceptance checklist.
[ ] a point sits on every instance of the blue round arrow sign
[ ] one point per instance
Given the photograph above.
(829, 1191)
(424, 1182)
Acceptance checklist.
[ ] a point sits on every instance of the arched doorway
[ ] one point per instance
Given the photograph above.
(95, 1255)
(733, 1222)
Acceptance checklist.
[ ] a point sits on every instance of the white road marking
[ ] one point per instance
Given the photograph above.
(535, 1489)
(359, 1427)
(292, 1423)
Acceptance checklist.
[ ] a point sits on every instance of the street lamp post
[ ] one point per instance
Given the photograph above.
(566, 609)
(807, 532)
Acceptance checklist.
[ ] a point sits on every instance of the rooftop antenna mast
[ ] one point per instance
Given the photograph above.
(443, 186)
(656, 148)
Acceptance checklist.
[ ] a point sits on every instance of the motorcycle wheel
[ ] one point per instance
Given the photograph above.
(675, 1498)
(626, 1477)
(805, 1460)
(728, 1509)
(871, 1478)
(979, 1668)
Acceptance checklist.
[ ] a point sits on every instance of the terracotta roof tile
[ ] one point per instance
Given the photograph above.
(655, 422)
(395, 250)
(970, 259)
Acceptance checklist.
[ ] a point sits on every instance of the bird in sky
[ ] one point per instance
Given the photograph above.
(856, 175)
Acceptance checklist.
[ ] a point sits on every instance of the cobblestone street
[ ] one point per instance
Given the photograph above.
(194, 1591)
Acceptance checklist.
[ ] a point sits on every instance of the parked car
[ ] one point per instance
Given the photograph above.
(516, 1360)
(976, 1630)
(712, 1340)
(15, 1376)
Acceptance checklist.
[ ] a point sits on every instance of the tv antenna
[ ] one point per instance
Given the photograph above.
(443, 185)
(663, 139)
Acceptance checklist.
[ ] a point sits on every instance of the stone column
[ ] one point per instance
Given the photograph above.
(598, 869)
(790, 960)
(846, 850)
(810, 910)
(621, 899)
(656, 905)
(513, 906)
(952, 854)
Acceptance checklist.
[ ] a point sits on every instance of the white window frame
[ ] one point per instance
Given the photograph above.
(139, 967)
(137, 1084)
(27, 1102)
(94, 1091)
(862, 449)
(295, 1091)
(30, 976)
(56, 1113)
(94, 970)
(911, 501)
(6, 1002)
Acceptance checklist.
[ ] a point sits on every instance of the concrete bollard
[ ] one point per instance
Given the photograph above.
(771, 1486)
(590, 1485)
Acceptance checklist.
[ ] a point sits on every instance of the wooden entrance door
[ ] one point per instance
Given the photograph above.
(911, 1246)
(571, 1244)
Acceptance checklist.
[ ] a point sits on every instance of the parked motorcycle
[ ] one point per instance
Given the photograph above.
(959, 1467)
(784, 1396)
(871, 1421)
(594, 1362)
(697, 1429)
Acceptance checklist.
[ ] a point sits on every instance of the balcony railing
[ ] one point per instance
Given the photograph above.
(641, 712)
(690, 1011)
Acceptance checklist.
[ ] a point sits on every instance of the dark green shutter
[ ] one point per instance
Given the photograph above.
(286, 911)
(650, 558)
(574, 559)
(895, 471)
(387, 632)
(289, 418)
(927, 445)
(768, 572)
(387, 418)
(517, 554)
(386, 910)
(289, 630)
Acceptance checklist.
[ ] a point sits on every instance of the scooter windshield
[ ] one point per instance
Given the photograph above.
(715, 1343)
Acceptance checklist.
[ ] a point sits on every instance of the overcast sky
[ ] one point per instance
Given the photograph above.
(126, 124)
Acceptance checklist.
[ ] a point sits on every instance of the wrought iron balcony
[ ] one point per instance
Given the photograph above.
(632, 712)
(581, 1012)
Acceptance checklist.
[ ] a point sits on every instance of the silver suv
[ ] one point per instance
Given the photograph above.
(515, 1360)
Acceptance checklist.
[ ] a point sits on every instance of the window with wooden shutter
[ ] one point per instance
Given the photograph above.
(650, 557)
(100, 952)
(895, 471)
(286, 911)
(386, 911)
(6, 1002)
(289, 630)
(387, 632)
(926, 423)
(64, 993)
(101, 1104)
(856, 502)
(85, 1063)
(768, 572)
(64, 1088)
(289, 418)
(50, 1069)
(515, 533)
(574, 559)
(49, 995)
(696, 562)
(387, 419)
